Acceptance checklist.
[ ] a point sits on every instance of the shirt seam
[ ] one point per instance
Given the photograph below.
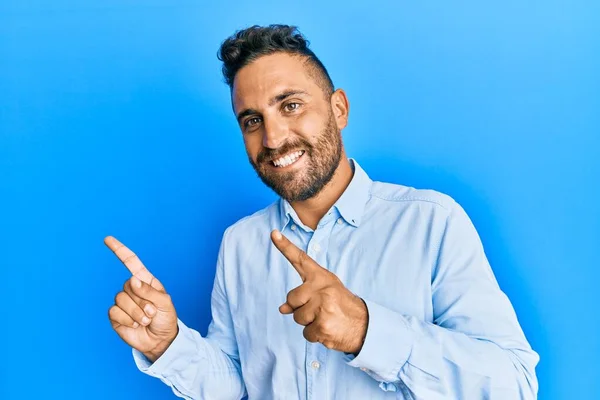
(435, 265)
(402, 199)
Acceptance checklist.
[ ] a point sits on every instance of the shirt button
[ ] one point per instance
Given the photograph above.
(316, 247)
(315, 364)
(340, 220)
(293, 227)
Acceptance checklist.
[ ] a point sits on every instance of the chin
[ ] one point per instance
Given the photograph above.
(300, 195)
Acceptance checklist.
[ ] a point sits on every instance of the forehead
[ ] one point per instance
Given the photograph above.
(267, 76)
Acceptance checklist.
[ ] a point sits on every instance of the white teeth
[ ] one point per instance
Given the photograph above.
(287, 159)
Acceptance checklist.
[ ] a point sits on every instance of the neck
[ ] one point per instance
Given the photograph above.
(312, 210)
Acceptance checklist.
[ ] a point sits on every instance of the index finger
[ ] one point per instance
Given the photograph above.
(130, 259)
(301, 261)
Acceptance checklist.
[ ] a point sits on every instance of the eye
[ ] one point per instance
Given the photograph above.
(289, 107)
(250, 122)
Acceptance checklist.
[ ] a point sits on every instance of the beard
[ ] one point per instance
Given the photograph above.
(321, 160)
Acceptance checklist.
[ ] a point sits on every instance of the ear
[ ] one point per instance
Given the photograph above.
(340, 107)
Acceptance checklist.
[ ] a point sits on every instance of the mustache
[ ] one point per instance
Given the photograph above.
(267, 155)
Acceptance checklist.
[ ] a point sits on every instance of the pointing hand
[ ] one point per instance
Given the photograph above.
(143, 314)
(332, 315)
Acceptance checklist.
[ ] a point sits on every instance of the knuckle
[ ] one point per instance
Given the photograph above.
(292, 297)
(329, 306)
(329, 296)
(120, 298)
(129, 258)
(326, 327)
(302, 257)
(143, 289)
(309, 335)
(298, 318)
(330, 292)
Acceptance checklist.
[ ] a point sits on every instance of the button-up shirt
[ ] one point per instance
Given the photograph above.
(439, 326)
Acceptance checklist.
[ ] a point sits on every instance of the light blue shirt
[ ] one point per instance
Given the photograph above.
(439, 326)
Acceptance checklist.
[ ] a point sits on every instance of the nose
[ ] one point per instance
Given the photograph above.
(275, 133)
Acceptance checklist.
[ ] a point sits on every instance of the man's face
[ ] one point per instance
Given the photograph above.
(292, 138)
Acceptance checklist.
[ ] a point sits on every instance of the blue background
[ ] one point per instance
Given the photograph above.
(114, 120)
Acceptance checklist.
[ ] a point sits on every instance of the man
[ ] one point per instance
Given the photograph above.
(389, 292)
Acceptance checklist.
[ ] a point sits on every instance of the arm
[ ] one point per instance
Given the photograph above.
(202, 368)
(474, 348)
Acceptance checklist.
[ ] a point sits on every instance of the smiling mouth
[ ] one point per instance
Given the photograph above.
(288, 159)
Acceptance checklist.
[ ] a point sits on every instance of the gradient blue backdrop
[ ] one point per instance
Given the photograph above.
(114, 120)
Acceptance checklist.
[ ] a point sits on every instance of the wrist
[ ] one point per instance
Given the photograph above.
(362, 328)
(160, 348)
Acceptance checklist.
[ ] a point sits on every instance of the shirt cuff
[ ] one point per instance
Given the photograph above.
(387, 347)
(175, 358)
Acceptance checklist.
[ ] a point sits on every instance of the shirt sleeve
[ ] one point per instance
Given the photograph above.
(473, 349)
(202, 368)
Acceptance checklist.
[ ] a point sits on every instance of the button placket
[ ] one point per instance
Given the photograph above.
(308, 370)
(315, 372)
(320, 372)
(316, 247)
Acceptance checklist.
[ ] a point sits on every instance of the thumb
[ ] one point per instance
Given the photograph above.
(148, 292)
(285, 308)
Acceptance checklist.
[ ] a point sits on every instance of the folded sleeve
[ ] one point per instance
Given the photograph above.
(473, 349)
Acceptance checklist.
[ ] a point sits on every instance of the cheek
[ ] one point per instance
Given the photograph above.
(309, 126)
(253, 145)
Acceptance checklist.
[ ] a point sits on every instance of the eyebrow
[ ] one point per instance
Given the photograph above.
(274, 100)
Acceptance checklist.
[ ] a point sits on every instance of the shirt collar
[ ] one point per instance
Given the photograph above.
(350, 205)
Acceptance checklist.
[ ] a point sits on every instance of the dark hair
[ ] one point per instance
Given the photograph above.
(247, 45)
